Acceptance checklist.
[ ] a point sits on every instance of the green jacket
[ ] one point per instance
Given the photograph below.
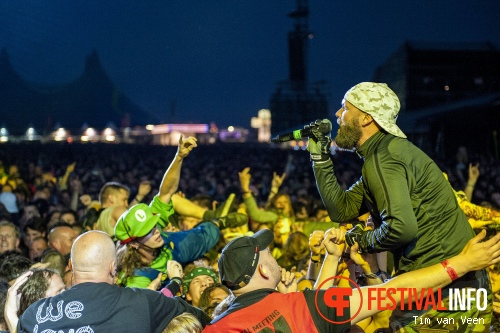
(416, 215)
(259, 215)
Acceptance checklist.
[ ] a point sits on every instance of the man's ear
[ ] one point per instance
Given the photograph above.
(56, 245)
(263, 271)
(112, 268)
(366, 119)
(70, 265)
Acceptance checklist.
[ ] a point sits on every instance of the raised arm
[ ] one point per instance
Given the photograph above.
(63, 181)
(341, 205)
(316, 247)
(142, 192)
(170, 181)
(256, 214)
(12, 302)
(334, 243)
(471, 182)
(476, 255)
(275, 185)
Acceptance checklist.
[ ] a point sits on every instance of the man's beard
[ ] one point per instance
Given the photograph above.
(349, 135)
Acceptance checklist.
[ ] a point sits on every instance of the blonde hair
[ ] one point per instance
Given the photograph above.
(184, 323)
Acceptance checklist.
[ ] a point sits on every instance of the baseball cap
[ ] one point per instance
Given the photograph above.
(378, 100)
(136, 222)
(239, 259)
(8, 199)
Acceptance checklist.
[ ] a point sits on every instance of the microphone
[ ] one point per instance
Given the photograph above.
(324, 127)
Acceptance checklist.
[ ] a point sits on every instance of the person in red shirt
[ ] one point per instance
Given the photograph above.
(248, 269)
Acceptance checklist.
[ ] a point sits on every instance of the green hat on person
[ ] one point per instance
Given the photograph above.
(136, 222)
(198, 271)
(379, 101)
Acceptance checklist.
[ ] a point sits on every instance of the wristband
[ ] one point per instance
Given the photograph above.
(137, 199)
(320, 158)
(177, 280)
(450, 270)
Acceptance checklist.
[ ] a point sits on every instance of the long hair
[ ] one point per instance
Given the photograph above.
(128, 259)
(288, 211)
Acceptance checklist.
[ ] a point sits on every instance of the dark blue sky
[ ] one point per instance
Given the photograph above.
(219, 60)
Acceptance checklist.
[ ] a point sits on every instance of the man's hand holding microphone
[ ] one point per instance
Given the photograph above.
(320, 140)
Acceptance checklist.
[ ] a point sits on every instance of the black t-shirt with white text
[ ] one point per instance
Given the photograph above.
(101, 307)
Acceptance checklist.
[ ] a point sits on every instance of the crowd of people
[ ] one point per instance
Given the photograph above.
(219, 237)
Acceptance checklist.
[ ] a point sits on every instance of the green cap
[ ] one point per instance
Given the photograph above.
(198, 271)
(136, 222)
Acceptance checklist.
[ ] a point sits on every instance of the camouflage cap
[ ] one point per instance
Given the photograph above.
(136, 222)
(378, 100)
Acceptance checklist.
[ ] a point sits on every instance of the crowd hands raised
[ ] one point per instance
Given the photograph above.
(141, 222)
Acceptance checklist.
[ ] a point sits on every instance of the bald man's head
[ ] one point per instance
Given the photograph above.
(93, 257)
(61, 239)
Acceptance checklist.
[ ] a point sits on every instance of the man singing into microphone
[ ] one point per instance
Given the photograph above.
(416, 215)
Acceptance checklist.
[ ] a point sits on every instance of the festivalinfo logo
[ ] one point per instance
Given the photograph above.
(380, 298)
